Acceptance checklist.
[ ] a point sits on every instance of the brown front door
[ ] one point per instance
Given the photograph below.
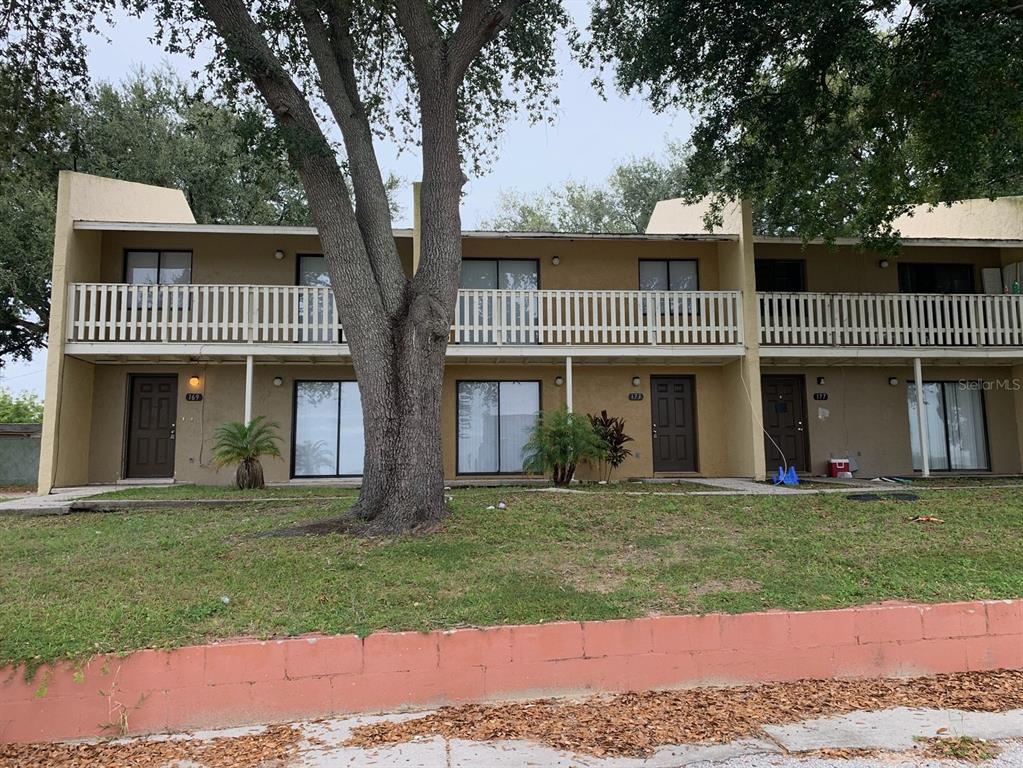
(784, 422)
(153, 409)
(673, 423)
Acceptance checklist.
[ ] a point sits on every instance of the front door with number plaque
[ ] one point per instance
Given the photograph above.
(673, 431)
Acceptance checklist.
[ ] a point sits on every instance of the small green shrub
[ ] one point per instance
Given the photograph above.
(559, 442)
(244, 444)
(611, 431)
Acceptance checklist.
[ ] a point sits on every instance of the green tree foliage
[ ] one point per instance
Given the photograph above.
(151, 129)
(623, 203)
(244, 444)
(444, 76)
(838, 116)
(25, 408)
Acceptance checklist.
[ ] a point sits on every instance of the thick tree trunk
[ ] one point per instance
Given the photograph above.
(403, 475)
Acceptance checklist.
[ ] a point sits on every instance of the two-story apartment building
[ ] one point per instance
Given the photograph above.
(722, 351)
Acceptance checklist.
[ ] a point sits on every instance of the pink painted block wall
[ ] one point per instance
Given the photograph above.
(248, 681)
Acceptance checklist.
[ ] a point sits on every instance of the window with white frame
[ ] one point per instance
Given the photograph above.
(158, 267)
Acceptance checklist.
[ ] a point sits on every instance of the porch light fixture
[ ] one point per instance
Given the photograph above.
(556, 260)
(559, 380)
(278, 381)
(820, 381)
(193, 381)
(893, 381)
(636, 381)
(883, 263)
(278, 254)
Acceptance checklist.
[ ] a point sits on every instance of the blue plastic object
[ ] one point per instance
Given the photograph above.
(791, 478)
(779, 476)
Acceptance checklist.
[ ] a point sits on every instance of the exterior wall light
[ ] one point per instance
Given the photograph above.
(559, 380)
(278, 381)
(820, 381)
(636, 381)
(278, 254)
(193, 381)
(893, 381)
(556, 260)
(883, 263)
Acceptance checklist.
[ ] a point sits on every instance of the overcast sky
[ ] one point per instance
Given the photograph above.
(588, 138)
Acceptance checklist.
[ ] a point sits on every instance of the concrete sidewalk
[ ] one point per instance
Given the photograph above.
(791, 746)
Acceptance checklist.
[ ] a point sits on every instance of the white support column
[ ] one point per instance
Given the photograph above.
(248, 389)
(925, 449)
(568, 383)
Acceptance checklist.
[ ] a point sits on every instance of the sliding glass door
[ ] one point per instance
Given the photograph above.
(956, 432)
(518, 313)
(328, 429)
(493, 423)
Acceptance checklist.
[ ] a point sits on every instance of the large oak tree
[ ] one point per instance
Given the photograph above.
(834, 116)
(451, 71)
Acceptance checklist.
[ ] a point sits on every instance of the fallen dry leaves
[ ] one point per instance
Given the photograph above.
(623, 724)
(274, 747)
(638, 723)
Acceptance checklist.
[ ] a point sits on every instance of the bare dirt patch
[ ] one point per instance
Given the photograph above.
(638, 723)
(714, 586)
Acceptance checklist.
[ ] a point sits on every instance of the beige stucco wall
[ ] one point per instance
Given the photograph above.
(851, 269)
(868, 419)
(1000, 219)
(980, 219)
(596, 387)
(224, 258)
(584, 263)
(741, 379)
(76, 257)
(677, 217)
(595, 264)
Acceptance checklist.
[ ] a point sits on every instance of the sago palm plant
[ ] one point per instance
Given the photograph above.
(558, 442)
(244, 444)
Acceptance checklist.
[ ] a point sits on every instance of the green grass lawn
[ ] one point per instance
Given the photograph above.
(82, 583)
(962, 481)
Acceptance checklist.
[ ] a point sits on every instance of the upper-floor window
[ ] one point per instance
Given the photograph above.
(508, 274)
(312, 270)
(935, 278)
(668, 275)
(158, 267)
(783, 275)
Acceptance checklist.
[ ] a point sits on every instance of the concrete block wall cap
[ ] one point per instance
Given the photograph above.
(244, 680)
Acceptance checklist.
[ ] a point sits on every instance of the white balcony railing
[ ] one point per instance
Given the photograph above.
(106, 312)
(890, 319)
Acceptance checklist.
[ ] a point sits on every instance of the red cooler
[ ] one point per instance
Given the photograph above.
(837, 466)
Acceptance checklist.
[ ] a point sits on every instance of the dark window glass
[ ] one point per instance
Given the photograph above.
(935, 278)
(782, 275)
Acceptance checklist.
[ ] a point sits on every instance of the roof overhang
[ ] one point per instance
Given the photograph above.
(279, 231)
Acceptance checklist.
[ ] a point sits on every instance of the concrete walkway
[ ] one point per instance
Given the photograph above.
(791, 746)
(57, 503)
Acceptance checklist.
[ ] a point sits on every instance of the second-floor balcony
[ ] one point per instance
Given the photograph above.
(890, 320)
(123, 315)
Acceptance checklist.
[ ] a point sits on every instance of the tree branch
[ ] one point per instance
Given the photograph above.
(423, 37)
(332, 55)
(310, 152)
(480, 22)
